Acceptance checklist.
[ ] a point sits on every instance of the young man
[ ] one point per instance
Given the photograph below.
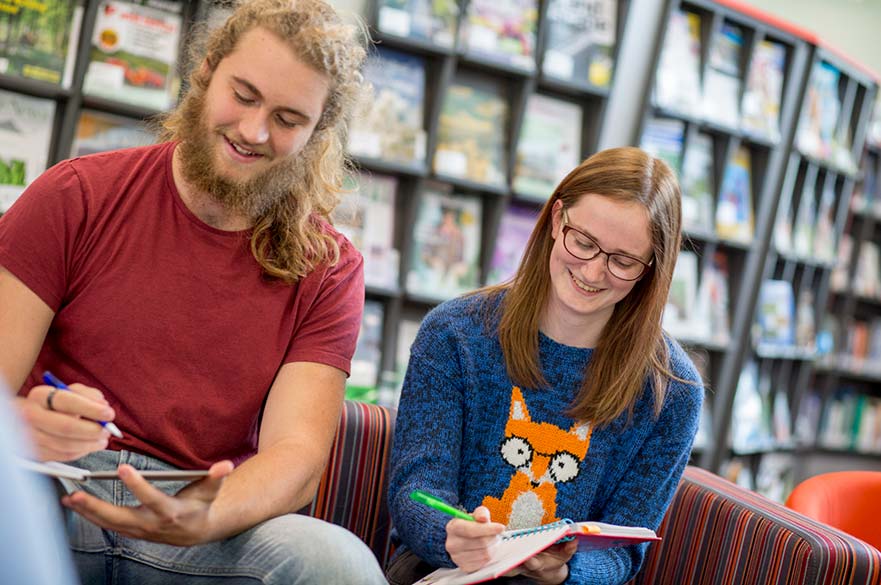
(194, 293)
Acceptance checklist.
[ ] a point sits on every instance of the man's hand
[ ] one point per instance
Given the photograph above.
(68, 430)
(471, 544)
(549, 566)
(182, 520)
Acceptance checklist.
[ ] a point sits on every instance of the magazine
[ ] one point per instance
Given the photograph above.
(663, 138)
(364, 376)
(445, 255)
(134, 53)
(393, 126)
(581, 36)
(678, 79)
(549, 146)
(366, 216)
(501, 31)
(776, 314)
(99, 132)
(721, 89)
(734, 212)
(515, 227)
(432, 21)
(472, 132)
(38, 39)
(679, 313)
(25, 137)
(819, 112)
(764, 91)
(698, 185)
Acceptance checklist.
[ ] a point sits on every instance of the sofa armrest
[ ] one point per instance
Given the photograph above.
(352, 492)
(718, 532)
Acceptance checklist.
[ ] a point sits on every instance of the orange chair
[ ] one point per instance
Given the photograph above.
(847, 500)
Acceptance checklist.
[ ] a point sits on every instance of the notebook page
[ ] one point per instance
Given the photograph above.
(510, 553)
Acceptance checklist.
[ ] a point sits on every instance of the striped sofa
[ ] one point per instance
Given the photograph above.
(714, 533)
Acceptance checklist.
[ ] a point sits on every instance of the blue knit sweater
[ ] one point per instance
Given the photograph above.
(465, 434)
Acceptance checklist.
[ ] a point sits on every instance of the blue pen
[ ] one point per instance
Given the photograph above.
(50, 379)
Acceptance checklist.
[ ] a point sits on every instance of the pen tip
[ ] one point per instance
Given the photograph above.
(114, 430)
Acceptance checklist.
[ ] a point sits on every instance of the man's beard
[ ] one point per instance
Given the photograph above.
(253, 197)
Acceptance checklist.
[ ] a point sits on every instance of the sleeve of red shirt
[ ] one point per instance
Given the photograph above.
(330, 329)
(38, 234)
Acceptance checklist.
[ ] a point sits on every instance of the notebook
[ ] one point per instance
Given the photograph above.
(519, 545)
(79, 475)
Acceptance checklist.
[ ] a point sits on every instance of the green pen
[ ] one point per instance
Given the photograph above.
(440, 505)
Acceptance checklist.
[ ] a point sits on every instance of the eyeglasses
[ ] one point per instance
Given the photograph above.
(584, 247)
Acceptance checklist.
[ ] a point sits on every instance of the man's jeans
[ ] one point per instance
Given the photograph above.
(289, 549)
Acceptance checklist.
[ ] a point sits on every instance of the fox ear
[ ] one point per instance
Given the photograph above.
(582, 431)
(518, 406)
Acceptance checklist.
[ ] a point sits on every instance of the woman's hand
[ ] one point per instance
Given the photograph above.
(550, 566)
(471, 544)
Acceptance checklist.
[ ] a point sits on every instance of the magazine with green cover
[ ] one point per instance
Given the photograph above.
(36, 37)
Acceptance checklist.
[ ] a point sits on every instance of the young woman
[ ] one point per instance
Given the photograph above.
(555, 395)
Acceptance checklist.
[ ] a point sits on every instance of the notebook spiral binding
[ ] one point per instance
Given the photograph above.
(527, 531)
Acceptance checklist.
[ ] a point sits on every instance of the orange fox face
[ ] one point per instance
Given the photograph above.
(543, 455)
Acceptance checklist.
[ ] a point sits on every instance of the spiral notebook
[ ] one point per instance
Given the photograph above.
(519, 545)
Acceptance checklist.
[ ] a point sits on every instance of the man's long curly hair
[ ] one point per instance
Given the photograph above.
(288, 240)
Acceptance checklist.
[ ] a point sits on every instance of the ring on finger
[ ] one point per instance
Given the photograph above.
(49, 398)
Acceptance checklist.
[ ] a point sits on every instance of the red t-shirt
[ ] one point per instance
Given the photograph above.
(172, 319)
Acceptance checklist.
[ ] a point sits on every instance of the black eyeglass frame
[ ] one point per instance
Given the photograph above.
(567, 227)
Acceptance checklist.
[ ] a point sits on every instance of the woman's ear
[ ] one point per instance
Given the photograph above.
(556, 218)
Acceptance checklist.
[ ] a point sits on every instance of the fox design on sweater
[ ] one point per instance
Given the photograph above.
(543, 455)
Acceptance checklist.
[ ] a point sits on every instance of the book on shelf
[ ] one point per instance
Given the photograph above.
(25, 137)
(776, 314)
(390, 389)
(867, 277)
(432, 21)
(841, 269)
(734, 211)
(807, 419)
(366, 216)
(581, 37)
(782, 236)
(364, 376)
(392, 127)
(819, 112)
(775, 476)
(824, 245)
(679, 313)
(873, 134)
(99, 132)
(445, 255)
(134, 53)
(38, 39)
(781, 419)
(663, 138)
(471, 141)
(711, 311)
(805, 218)
(867, 424)
(837, 420)
(865, 196)
(805, 322)
(515, 227)
(737, 470)
(678, 79)
(720, 99)
(749, 414)
(760, 108)
(549, 146)
(502, 31)
(698, 185)
(516, 546)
